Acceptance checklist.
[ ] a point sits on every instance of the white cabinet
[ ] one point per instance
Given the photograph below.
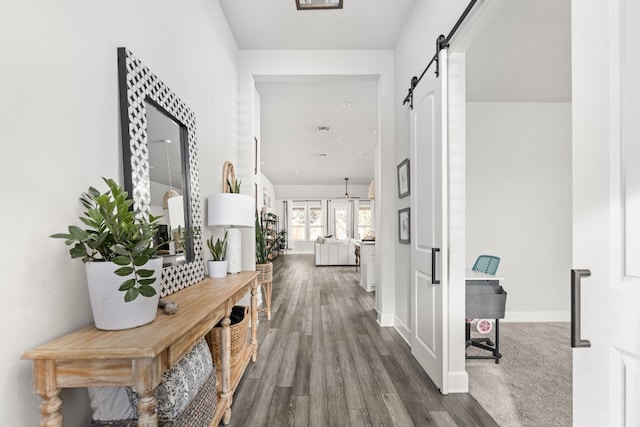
(335, 253)
(368, 266)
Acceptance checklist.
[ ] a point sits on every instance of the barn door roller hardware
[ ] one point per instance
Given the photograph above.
(441, 43)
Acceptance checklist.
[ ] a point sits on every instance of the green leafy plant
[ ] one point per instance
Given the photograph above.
(219, 248)
(263, 246)
(281, 239)
(115, 233)
(234, 187)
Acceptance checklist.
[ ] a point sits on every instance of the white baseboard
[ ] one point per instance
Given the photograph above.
(458, 382)
(403, 330)
(385, 319)
(536, 316)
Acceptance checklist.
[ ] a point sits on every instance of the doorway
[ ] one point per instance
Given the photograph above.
(376, 67)
(518, 158)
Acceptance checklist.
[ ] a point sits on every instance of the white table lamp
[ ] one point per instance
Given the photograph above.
(232, 210)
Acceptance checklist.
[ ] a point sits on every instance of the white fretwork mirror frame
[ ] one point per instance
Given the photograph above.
(137, 86)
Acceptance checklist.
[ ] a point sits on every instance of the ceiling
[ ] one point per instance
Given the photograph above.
(292, 108)
(277, 24)
(296, 151)
(523, 55)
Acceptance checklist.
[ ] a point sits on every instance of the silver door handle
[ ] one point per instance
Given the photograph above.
(434, 251)
(576, 281)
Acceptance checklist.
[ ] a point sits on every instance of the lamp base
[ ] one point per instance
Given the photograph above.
(234, 249)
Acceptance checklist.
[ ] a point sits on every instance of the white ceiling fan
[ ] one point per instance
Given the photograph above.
(346, 195)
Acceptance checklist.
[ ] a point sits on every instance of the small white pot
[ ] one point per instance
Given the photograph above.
(110, 311)
(217, 269)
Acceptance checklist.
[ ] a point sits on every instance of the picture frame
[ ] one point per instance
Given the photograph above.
(404, 225)
(266, 198)
(404, 181)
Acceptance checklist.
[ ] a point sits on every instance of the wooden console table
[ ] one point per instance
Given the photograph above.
(138, 357)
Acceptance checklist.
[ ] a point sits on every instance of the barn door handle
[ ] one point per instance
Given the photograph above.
(434, 251)
(576, 280)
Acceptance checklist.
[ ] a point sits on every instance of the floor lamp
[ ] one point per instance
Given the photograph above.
(232, 210)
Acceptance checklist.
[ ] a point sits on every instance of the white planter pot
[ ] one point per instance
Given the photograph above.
(110, 311)
(217, 269)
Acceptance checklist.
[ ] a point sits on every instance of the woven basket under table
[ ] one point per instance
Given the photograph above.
(239, 339)
(199, 412)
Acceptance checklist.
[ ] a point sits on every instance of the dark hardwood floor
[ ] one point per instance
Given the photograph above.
(324, 361)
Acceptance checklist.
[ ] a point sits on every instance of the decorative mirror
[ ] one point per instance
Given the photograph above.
(160, 162)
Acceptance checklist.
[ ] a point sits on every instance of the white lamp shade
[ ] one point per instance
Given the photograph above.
(231, 209)
(175, 206)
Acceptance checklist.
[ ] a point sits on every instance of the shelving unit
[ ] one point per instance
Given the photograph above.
(270, 223)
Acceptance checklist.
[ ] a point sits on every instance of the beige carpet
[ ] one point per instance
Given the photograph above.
(532, 384)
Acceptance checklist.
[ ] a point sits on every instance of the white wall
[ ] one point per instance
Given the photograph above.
(268, 188)
(519, 202)
(318, 192)
(61, 132)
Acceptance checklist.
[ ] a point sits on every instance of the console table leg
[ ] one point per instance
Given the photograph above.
(267, 287)
(46, 385)
(226, 358)
(226, 417)
(147, 404)
(50, 409)
(254, 320)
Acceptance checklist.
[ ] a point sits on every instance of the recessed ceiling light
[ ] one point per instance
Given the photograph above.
(339, 137)
(345, 104)
(295, 173)
(318, 4)
(361, 154)
(374, 131)
(322, 129)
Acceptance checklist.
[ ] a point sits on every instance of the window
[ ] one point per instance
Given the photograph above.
(341, 222)
(298, 223)
(365, 220)
(315, 222)
(306, 221)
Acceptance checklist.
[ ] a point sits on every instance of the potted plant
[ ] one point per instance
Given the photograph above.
(117, 248)
(281, 239)
(264, 267)
(217, 266)
(263, 245)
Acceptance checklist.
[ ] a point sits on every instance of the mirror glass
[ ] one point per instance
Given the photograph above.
(167, 156)
(160, 158)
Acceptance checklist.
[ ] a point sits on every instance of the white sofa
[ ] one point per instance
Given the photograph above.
(335, 252)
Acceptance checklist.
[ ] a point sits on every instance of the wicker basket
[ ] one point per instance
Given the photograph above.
(239, 339)
(265, 272)
(199, 412)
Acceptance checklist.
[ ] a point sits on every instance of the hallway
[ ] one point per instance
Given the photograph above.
(323, 360)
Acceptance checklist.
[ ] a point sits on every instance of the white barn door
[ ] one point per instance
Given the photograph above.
(429, 327)
(606, 210)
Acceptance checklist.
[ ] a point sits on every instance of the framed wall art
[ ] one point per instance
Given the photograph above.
(404, 225)
(404, 185)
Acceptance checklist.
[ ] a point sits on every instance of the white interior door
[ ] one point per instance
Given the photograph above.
(606, 135)
(428, 225)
